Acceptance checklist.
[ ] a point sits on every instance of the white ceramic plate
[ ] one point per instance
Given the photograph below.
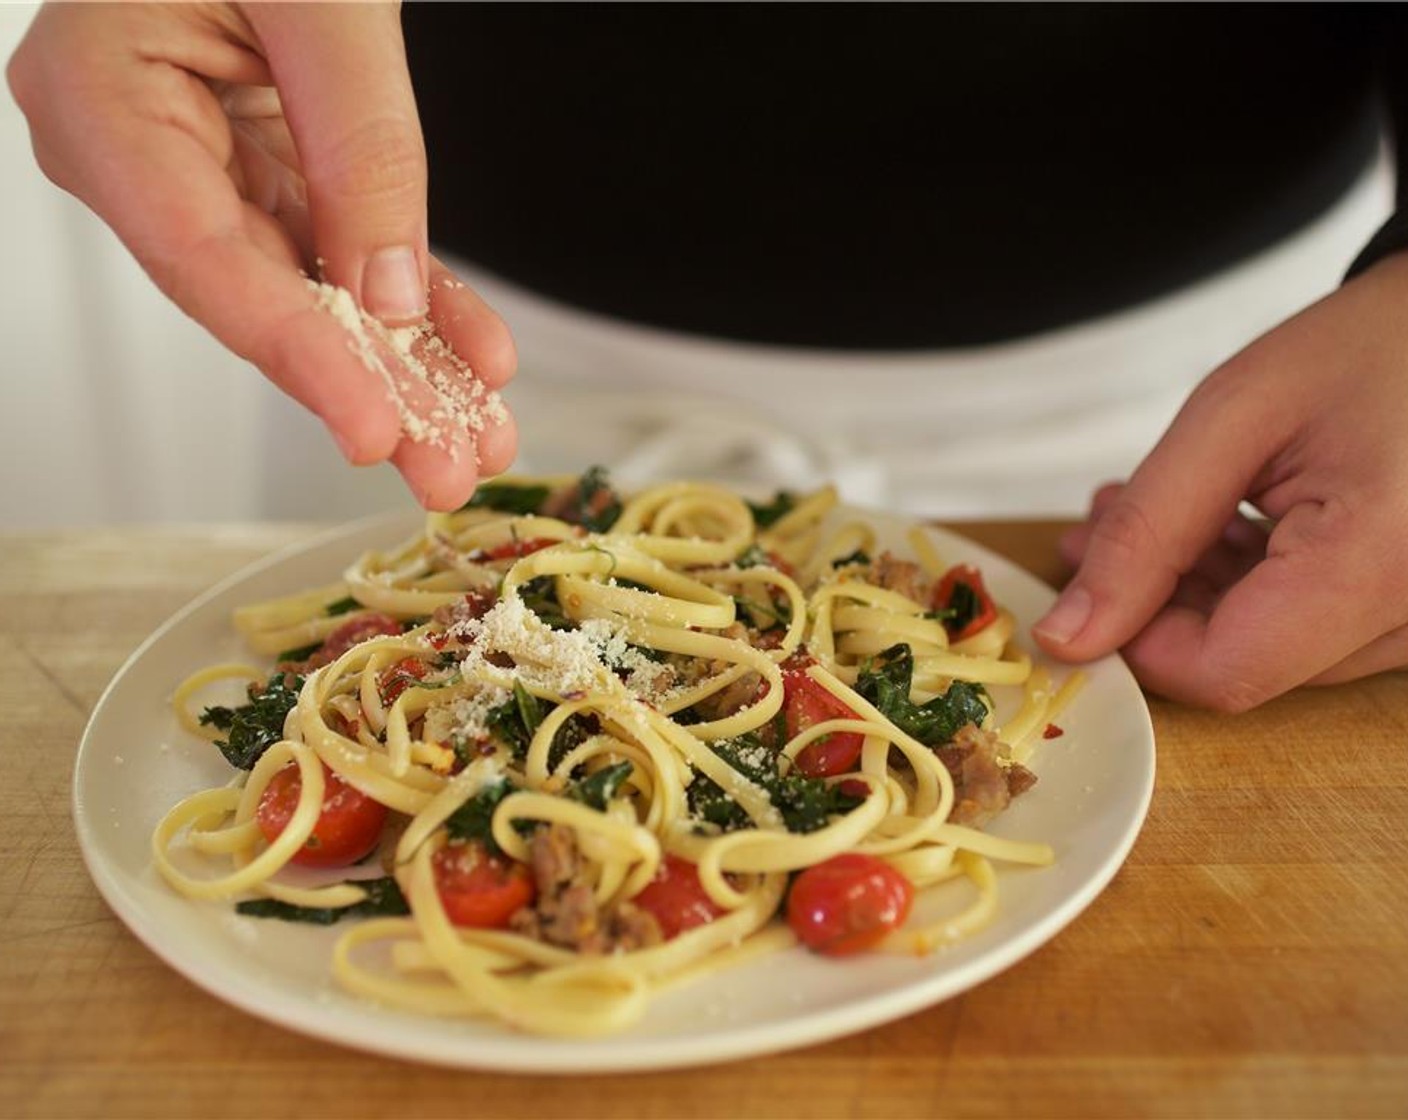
(134, 763)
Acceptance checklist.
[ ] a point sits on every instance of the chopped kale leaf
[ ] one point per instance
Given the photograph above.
(859, 556)
(301, 653)
(514, 721)
(806, 804)
(966, 604)
(885, 681)
(766, 614)
(474, 820)
(345, 605)
(254, 727)
(650, 653)
(687, 717)
(770, 513)
(384, 899)
(596, 505)
(573, 733)
(506, 497)
(540, 596)
(596, 790)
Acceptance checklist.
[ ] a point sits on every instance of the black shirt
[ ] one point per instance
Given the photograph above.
(885, 176)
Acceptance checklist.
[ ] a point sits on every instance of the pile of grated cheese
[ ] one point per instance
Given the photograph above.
(564, 663)
(415, 362)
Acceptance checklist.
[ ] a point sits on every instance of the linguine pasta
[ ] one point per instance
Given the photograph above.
(597, 693)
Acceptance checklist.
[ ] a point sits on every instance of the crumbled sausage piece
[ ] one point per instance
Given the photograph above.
(566, 911)
(983, 786)
(901, 576)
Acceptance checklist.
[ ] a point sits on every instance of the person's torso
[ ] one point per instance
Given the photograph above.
(882, 176)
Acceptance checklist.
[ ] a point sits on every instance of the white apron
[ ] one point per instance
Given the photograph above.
(1022, 428)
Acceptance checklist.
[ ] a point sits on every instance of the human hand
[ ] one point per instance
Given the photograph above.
(1309, 424)
(238, 149)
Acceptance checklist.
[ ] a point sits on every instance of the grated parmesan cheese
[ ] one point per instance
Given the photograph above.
(557, 661)
(561, 662)
(415, 359)
(466, 717)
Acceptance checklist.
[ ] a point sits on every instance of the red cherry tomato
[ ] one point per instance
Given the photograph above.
(776, 560)
(677, 898)
(515, 550)
(847, 903)
(962, 590)
(806, 703)
(348, 828)
(479, 888)
(395, 679)
(354, 632)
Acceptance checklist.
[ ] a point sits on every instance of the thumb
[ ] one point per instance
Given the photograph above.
(346, 93)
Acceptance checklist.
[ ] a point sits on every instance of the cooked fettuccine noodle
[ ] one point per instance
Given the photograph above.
(606, 706)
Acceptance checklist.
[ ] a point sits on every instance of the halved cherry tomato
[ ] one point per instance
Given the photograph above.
(677, 898)
(453, 616)
(516, 549)
(478, 888)
(776, 560)
(806, 703)
(395, 679)
(961, 590)
(342, 725)
(353, 632)
(348, 828)
(847, 903)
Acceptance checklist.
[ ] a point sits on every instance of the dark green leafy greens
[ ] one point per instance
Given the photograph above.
(596, 789)
(964, 604)
(345, 605)
(514, 721)
(540, 596)
(754, 556)
(506, 497)
(475, 818)
(885, 681)
(384, 900)
(767, 514)
(806, 804)
(253, 728)
(859, 556)
(299, 653)
(765, 613)
(595, 505)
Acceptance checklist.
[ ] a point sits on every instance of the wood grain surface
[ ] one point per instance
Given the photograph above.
(1251, 959)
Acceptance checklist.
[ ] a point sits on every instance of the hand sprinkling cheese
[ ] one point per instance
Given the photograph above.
(273, 176)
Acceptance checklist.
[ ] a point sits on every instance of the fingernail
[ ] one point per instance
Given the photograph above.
(391, 285)
(1068, 617)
